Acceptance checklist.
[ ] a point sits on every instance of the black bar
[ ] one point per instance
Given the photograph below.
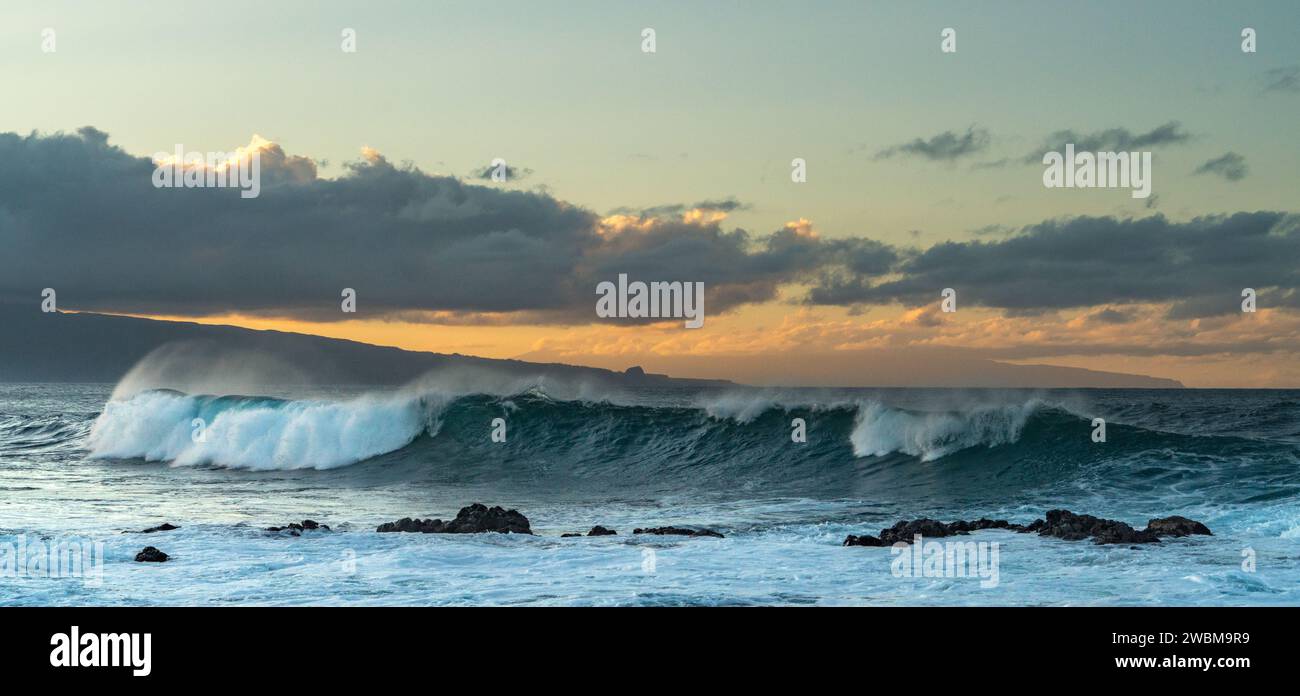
(303, 645)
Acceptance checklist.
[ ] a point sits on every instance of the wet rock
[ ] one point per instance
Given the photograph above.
(473, 519)
(296, 529)
(864, 540)
(906, 530)
(678, 531)
(1061, 524)
(406, 524)
(150, 555)
(164, 527)
(1176, 526)
(1064, 524)
(595, 531)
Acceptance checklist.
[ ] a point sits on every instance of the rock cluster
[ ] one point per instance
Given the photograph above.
(296, 529)
(472, 519)
(1061, 524)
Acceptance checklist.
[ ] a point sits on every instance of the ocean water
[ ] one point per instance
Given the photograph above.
(94, 462)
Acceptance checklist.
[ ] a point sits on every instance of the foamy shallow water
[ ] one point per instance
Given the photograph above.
(787, 565)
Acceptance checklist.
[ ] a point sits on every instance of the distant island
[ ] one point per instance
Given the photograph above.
(82, 347)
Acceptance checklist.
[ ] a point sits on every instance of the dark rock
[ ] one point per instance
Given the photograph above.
(1176, 526)
(678, 531)
(864, 540)
(1064, 524)
(296, 529)
(570, 534)
(474, 519)
(906, 531)
(150, 555)
(406, 524)
(601, 531)
(1061, 524)
(164, 527)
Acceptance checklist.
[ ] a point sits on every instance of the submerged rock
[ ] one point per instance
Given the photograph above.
(164, 527)
(1061, 524)
(151, 555)
(473, 519)
(296, 529)
(679, 531)
(570, 534)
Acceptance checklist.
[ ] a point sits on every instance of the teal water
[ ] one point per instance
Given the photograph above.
(75, 463)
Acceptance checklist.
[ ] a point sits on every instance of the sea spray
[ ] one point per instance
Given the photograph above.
(256, 433)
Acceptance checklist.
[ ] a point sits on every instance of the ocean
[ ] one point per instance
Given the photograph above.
(97, 462)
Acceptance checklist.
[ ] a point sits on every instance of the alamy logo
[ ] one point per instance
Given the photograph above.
(241, 169)
(63, 558)
(74, 649)
(955, 559)
(1099, 170)
(656, 300)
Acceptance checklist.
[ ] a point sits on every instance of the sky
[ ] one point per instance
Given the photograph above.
(923, 172)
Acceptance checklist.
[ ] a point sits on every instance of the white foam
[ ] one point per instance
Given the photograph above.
(157, 426)
(881, 430)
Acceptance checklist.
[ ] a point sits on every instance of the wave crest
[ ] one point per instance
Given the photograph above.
(255, 433)
(881, 430)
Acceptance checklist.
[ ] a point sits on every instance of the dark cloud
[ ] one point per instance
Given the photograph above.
(944, 147)
(1110, 140)
(1230, 166)
(1284, 79)
(82, 216)
(1200, 266)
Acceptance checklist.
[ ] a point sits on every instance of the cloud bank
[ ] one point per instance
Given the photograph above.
(80, 215)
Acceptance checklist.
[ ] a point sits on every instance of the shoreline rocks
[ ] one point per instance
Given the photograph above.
(296, 529)
(151, 555)
(1061, 524)
(472, 519)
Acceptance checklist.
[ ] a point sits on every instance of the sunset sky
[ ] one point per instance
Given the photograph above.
(923, 172)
